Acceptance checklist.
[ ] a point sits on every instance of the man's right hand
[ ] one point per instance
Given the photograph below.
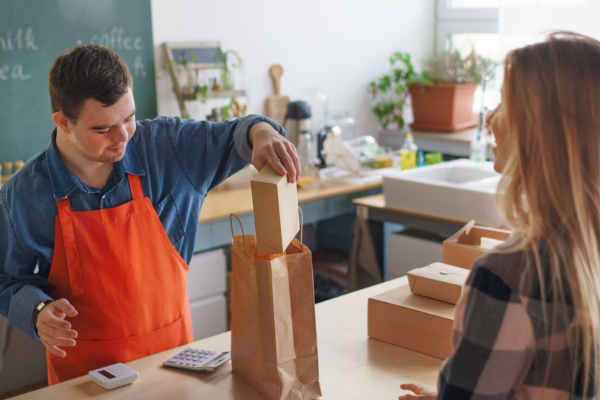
(53, 329)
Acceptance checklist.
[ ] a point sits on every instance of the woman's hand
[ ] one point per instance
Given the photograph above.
(420, 392)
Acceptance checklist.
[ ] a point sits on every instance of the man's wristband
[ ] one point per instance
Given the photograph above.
(39, 308)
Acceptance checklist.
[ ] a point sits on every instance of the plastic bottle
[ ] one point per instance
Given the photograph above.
(477, 151)
(408, 153)
(420, 159)
(478, 147)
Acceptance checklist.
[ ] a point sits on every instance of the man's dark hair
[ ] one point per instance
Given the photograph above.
(88, 71)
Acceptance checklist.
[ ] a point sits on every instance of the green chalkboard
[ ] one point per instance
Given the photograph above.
(34, 32)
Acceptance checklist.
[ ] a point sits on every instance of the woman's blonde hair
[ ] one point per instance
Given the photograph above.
(550, 192)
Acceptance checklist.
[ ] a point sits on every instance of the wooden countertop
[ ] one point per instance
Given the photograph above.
(465, 136)
(352, 366)
(378, 202)
(234, 196)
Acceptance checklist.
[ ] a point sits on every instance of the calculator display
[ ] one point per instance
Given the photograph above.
(106, 374)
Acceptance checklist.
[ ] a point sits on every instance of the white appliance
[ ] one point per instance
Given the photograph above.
(406, 252)
(206, 287)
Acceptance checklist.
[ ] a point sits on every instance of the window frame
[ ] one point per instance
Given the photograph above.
(450, 20)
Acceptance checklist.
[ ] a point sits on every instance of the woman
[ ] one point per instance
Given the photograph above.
(526, 322)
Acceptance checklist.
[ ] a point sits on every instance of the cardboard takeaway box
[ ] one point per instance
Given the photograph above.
(275, 203)
(462, 248)
(438, 281)
(412, 321)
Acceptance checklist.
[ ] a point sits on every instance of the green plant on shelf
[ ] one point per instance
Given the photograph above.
(390, 91)
(231, 62)
(192, 87)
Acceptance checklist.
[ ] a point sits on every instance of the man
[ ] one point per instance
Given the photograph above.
(97, 230)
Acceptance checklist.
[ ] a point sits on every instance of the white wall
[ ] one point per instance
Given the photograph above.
(339, 45)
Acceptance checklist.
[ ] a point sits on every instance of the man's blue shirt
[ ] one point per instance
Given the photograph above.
(178, 162)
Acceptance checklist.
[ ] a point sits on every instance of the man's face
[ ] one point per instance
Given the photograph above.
(101, 133)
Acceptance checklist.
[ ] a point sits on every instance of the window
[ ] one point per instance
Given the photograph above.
(474, 3)
(494, 27)
(466, 25)
(464, 17)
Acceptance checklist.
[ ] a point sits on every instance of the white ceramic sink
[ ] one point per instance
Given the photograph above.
(452, 190)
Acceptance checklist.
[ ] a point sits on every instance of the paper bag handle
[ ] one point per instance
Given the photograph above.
(233, 235)
(301, 223)
(244, 236)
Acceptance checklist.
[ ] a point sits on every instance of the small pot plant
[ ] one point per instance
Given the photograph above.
(232, 62)
(443, 94)
(390, 91)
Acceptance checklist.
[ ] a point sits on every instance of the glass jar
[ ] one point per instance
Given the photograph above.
(364, 146)
(306, 153)
(318, 106)
(345, 122)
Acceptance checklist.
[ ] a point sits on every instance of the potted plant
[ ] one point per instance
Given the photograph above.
(442, 96)
(390, 91)
(231, 62)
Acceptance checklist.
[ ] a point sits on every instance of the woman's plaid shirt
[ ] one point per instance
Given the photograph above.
(503, 346)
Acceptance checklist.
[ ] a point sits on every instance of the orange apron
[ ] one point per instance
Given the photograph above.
(119, 270)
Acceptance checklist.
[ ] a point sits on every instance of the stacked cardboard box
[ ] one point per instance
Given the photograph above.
(471, 242)
(412, 321)
(419, 316)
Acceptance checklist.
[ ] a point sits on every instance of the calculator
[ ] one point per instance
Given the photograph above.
(114, 376)
(198, 360)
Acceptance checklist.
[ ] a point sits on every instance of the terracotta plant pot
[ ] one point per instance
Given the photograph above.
(443, 108)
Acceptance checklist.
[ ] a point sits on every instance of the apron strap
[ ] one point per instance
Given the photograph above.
(68, 233)
(136, 187)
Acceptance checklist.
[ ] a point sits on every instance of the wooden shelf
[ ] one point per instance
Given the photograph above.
(221, 94)
(378, 202)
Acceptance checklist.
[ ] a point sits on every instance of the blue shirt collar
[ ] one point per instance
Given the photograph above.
(64, 182)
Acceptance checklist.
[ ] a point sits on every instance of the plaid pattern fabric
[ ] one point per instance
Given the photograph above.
(503, 347)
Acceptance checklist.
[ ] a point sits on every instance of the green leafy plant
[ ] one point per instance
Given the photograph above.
(231, 61)
(451, 67)
(390, 91)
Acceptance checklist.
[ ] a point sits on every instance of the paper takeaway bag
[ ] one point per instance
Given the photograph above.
(273, 331)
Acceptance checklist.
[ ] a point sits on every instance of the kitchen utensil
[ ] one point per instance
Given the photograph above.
(317, 100)
(325, 133)
(297, 120)
(277, 105)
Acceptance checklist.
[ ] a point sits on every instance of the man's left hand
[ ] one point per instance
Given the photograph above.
(269, 147)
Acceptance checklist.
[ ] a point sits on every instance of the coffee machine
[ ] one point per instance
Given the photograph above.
(297, 120)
